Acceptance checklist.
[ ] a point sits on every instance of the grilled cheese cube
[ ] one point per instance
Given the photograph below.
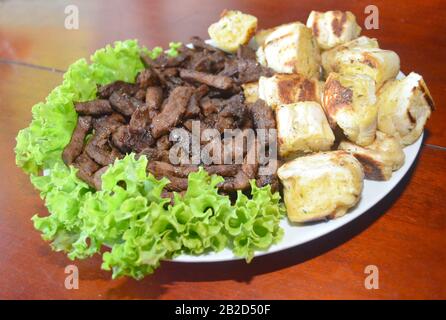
(404, 107)
(333, 28)
(362, 56)
(251, 91)
(350, 103)
(232, 30)
(321, 185)
(290, 48)
(288, 88)
(301, 128)
(380, 158)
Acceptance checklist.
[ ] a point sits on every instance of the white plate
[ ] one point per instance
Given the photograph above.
(296, 235)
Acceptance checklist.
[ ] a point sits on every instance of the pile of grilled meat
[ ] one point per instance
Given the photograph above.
(199, 84)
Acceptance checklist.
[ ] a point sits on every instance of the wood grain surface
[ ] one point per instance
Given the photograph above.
(404, 235)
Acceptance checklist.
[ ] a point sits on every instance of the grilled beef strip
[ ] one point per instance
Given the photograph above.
(147, 78)
(262, 115)
(193, 107)
(233, 114)
(124, 103)
(141, 95)
(99, 149)
(154, 154)
(143, 114)
(171, 114)
(246, 53)
(160, 168)
(105, 91)
(111, 121)
(97, 178)
(93, 108)
(271, 180)
(215, 81)
(126, 141)
(86, 168)
(76, 144)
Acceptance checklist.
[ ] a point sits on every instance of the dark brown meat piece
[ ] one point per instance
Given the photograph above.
(169, 78)
(160, 169)
(76, 144)
(125, 104)
(97, 178)
(163, 168)
(165, 61)
(171, 114)
(93, 108)
(218, 60)
(154, 98)
(235, 107)
(210, 106)
(239, 182)
(143, 115)
(111, 122)
(163, 143)
(200, 44)
(193, 107)
(230, 68)
(105, 91)
(189, 123)
(232, 115)
(272, 180)
(160, 152)
(86, 168)
(147, 78)
(247, 172)
(262, 115)
(246, 52)
(224, 170)
(225, 123)
(206, 58)
(126, 141)
(154, 154)
(121, 139)
(140, 94)
(99, 149)
(216, 81)
(176, 184)
(87, 164)
(251, 71)
(85, 177)
(200, 62)
(140, 120)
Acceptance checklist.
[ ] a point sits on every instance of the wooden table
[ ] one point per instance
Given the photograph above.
(404, 235)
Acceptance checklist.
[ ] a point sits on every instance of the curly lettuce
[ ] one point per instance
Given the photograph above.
(129, 214)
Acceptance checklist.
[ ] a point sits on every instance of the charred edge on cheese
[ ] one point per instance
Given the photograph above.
(340, 97)
(339, 20)
(371, 167)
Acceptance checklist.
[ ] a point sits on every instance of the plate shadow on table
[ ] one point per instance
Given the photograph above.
(170, 272)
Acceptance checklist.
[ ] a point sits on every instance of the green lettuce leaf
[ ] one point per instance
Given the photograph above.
(254, 224)
(64, 195)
